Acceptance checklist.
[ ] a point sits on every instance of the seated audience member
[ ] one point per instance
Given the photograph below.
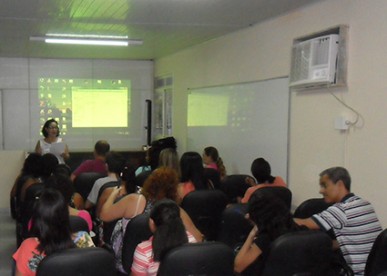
(51, 233)
(351, 218)
(169, 158)
(127, 186)
(115, 165)
(63, 184)
(161, 184)
(271, 219)
(48, 163)
(97, 164)
(192, 174)
(212, 160)
(168, 232)
(261, 170)
(29, 174)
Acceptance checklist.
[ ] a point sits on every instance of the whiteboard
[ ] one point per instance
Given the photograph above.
(243, 121)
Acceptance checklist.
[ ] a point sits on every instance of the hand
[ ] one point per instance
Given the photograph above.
(250, 181)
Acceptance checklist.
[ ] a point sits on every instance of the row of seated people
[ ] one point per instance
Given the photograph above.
(137, 203)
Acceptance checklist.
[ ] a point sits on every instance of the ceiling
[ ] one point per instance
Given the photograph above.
(165, 26)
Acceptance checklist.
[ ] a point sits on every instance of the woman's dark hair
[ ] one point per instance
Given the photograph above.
(128, 176)
(261, 170)
(170, 231)
(32, 165)
(49, 163)
(191, 166)
(50, 222)
(115, 162)
(271, 215)
(214, 154)
(62, 169)
(161, 183)
(62, 183)
(46, 125)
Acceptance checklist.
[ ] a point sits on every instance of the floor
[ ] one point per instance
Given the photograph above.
(7, 242)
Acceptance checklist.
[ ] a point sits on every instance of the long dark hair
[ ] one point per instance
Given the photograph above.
(50, 222)
(170, 231)
(191, 166)
(271, 215)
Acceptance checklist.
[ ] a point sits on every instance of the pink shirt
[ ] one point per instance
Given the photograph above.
(278, 182)
(143, 263)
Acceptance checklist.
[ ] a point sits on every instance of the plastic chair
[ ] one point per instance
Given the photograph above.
(205, 208)
(206, 258)
(234, 227)
(310, 207)
(91, 261)
(300, 253)
(234, 186)
(84, 182)
(376, 262)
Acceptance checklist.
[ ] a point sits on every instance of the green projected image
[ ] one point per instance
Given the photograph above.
(85, 103)
(205, 109)
(88, 104)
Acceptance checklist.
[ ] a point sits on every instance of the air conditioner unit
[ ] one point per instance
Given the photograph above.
(314, 62)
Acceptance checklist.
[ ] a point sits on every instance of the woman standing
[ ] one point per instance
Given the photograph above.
(52, 143)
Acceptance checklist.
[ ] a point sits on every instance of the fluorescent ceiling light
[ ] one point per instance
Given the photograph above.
(87, 40)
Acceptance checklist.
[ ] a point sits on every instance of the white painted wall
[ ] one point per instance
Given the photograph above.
(263, 51)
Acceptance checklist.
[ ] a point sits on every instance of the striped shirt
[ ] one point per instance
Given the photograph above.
(143, 263)
(356, 226)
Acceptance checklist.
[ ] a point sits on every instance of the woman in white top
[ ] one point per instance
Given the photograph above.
(52, 143)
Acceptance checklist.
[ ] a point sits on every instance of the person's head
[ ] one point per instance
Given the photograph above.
(210, 155)
(128, 176)
(50, 222)
(191, 166)
(167, 227)
(62, 183)
(270, 214)
(261, 170)
(335, 183)
(115, 162)
(49, 163)
(101, 148)
(161, 183)
(50, 128)
(62, 169)
(168, 158)
(32, 165)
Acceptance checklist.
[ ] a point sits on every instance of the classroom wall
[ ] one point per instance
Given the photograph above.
(263, 51)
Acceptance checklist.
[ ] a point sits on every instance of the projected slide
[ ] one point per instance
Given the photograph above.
(84, 103)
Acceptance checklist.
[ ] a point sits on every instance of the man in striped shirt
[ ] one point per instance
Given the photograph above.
(351, 218)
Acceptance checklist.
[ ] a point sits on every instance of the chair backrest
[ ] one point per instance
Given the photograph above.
(136, 231)
(84, 182)
(212, 176)
(78, 224)
(283, 193)
(207, 258)
(234, 186)
(91, 261)
(300, 253)
(376, 262)
(141, 177)
(234, 227)
(205, 208)
(310, 207)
